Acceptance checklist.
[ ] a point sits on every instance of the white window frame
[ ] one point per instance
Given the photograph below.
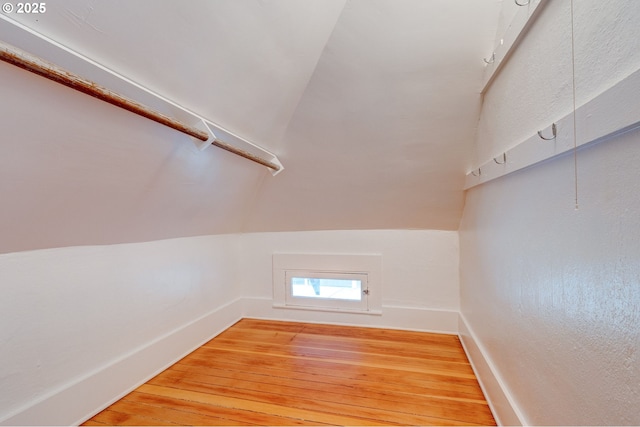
(359, 305)
(366, 267)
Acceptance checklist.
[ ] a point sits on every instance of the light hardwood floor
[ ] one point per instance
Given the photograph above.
(282, 373)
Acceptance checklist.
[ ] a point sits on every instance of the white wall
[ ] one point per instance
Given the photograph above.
(384, 130)
(81, 325)
(420, 275)
(390, 85)
(550, 294)
(77, 171)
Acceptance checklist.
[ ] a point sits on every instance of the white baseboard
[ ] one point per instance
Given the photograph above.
(392, 317)
(502, 405)
(81, 399)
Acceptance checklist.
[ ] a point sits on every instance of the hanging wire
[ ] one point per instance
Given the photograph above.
(575, 135)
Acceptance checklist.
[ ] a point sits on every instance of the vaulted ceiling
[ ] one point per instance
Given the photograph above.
(371, 105)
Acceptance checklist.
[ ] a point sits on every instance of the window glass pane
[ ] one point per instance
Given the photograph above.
(344, 289)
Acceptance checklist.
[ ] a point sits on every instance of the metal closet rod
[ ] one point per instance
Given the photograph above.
(26, 61)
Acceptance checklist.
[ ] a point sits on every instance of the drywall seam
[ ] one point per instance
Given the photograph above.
(315, 66)
(419, 319)
(258, 189)
(504, 410)
(85, 397)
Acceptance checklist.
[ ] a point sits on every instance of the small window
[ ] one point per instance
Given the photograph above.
(313, 287)
(328, 282)
(327, 289)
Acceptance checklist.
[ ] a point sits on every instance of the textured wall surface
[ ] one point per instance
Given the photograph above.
(535, 87)
(551, 293)
(370, 104)
(420, 288)
(66, 313)
(420, 268)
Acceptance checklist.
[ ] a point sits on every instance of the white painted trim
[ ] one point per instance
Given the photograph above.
(25, 38)
(78, 401)
(82, 398)
(368, 264)
(502, 405)
(360, 305)
(419, 319)
(614, 111)
(326, 309)
(522, 21)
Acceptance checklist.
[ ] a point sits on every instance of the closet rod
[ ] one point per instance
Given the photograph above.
(38, 66)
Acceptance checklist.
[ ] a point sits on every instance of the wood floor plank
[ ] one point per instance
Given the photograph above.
(113, 418)
(397, 410)
(262, 372)
(389, 391)
(169, 414)
(361, 354)
(461, 372)
(437, 350)
(363, 378)
(204, 357)
(93, 423)
(257, 406)
(393, 335)
(232, 416)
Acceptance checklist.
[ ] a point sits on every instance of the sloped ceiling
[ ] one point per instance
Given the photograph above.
(370, 104)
